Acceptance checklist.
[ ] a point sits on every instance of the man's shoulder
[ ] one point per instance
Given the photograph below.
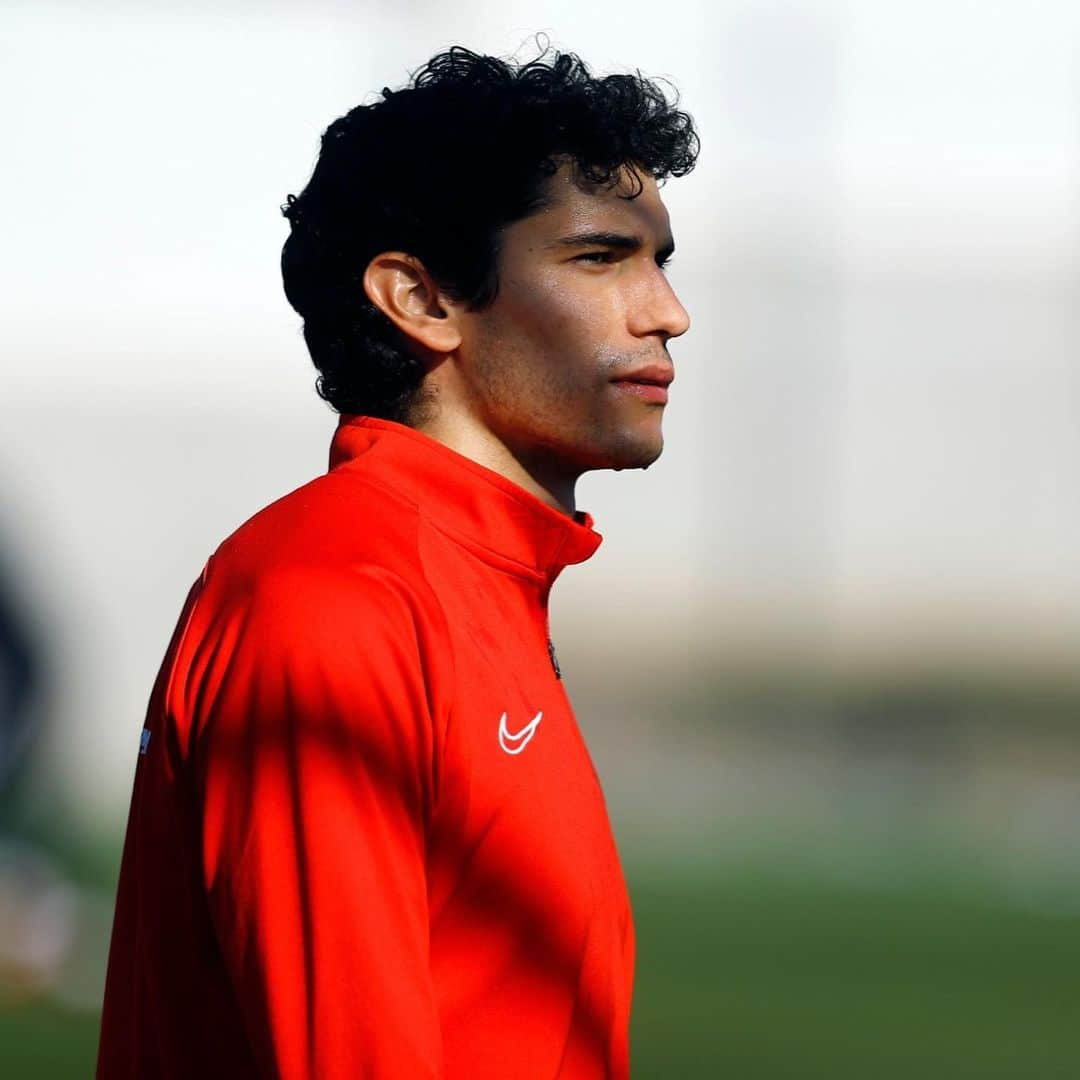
(335, 521)
(339, 539)
(322, 588)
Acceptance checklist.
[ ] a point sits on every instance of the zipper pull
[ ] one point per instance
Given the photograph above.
(554, 659)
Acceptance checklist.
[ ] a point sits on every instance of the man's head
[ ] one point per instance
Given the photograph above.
(430, 256)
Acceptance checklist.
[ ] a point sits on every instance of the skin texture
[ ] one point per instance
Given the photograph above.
(526, 387)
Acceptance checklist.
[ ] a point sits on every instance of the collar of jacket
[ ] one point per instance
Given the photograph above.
(467, 500)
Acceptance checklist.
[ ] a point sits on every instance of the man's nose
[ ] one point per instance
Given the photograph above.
(668, 314)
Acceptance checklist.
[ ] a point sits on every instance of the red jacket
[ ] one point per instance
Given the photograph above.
(366, 838)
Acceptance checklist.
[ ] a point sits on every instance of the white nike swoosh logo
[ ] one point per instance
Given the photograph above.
(515, 742)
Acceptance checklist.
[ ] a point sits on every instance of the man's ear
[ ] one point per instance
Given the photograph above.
(399, 285)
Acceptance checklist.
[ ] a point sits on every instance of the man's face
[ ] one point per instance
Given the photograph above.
(567, 368)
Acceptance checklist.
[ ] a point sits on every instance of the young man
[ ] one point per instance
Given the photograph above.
(366, 837)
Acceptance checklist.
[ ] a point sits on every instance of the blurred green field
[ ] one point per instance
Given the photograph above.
(767, 977)
(37, 1041)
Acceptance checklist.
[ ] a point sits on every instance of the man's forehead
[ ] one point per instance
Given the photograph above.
(569, 186)
(576, 206)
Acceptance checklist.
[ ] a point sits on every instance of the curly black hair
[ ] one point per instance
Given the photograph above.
(438, 169)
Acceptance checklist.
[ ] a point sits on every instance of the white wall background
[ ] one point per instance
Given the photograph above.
(873, 441)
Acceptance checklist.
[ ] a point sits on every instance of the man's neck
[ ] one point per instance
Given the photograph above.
(549, 485)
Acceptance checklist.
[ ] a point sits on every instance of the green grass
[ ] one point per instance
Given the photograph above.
(41, 1042)
(751, 975)
(764, 978)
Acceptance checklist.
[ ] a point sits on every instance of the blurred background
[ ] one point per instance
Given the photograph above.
(827, 656)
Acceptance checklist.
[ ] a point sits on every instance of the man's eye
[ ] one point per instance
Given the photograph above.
(601, 257)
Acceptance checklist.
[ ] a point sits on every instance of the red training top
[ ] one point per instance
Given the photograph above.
(366, 838)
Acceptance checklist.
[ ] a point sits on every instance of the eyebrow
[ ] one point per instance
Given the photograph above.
(621, 241)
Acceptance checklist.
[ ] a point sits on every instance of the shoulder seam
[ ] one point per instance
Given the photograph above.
(201, 583)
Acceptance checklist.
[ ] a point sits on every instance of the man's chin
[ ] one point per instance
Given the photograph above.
(637, 454)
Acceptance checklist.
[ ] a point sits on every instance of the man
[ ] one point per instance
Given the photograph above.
(366, 837)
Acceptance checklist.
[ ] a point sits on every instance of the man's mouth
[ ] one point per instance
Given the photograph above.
(652, 374)
(647, 391)
(648, 383)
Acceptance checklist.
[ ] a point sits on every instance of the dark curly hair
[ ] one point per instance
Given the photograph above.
(438, 169)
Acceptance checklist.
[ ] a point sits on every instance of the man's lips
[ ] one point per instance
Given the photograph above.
(653, 374)
(649, 383)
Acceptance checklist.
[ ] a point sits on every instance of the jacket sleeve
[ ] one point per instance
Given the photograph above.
(313, 749)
